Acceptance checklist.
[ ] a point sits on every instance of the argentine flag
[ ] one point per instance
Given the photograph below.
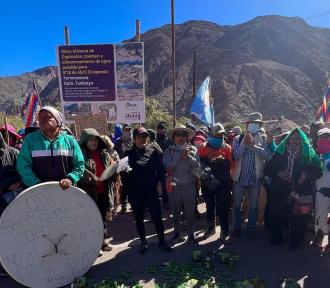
(201, 108)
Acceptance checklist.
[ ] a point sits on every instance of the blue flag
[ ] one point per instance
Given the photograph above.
(201, 108)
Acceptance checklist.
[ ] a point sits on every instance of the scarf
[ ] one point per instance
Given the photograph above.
(307, 153)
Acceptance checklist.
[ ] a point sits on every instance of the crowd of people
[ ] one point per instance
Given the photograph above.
(185, 161)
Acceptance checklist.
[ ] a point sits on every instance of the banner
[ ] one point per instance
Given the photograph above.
(103, 78)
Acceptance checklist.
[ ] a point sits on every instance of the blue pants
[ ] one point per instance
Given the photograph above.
(253, 196)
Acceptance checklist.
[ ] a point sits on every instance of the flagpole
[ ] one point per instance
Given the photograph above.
(173, 62)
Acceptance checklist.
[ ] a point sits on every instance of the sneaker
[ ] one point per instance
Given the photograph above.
(325, 249)
(164, 246)
(143, 247)
(106, 247)
(177, 238)
(209, 231)
(251, 235)
(192, 240)
(237, 233)
(317, 242)
(225, 239)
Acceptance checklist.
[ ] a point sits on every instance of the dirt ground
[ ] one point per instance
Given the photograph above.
(257, 257)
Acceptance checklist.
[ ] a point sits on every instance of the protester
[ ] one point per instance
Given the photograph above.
(163, 143)
(199, 138)
(250, 151)
(14, 137)
(97, 159)
(233, 133)
(322, 197)
(110, 148)
(124, 143)
(217, 155)
(50, 154)
(305, 129)
(152, 139)
(141, 184)
(181, 162)
(118, 132)
(315, 127)
(292, 171)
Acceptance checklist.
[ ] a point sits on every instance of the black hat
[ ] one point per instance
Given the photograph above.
(139, 131)
(152, 134)
(162, 125)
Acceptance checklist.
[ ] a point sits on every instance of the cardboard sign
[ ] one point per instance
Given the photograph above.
(96, 121)
(49, 236)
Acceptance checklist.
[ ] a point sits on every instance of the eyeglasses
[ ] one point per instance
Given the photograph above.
(181, 134)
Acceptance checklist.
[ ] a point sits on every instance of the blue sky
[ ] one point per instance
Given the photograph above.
(31, 30)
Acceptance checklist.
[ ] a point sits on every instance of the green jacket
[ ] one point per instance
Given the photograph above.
(42, 160)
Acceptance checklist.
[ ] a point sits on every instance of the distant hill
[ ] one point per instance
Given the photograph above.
(272, 64)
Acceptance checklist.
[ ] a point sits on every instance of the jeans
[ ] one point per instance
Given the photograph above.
(253, 195)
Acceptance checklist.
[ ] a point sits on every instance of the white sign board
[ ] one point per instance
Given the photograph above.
(49, 236)
(103, 78)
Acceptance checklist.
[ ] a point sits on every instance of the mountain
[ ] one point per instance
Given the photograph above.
(272, 64)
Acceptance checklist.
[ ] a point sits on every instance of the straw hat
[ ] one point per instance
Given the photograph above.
(178, 128)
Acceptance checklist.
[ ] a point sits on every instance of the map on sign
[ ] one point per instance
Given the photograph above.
(49, 236)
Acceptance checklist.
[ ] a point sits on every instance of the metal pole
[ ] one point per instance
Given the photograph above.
(194, 76)
(6, 130)
(138, 39)
(173, 62)
(194, 84)
(66, 35)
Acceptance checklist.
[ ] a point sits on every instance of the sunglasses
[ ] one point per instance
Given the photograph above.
(181, 134)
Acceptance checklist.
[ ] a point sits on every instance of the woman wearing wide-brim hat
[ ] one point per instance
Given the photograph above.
(181, 162)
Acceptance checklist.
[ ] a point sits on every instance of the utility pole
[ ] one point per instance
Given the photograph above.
(173, 62)
(137, 31)
(66, 35)
(194, 84)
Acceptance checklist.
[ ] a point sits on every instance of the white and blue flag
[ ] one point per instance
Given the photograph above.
(201, 108)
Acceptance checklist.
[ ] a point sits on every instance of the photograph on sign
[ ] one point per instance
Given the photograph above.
(49, 236)
(101, 79)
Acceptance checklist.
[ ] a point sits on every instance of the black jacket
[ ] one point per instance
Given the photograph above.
(147, 169)
(279, 163)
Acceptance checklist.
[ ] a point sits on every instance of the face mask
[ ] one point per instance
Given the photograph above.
(127, 134)
(323, 146)
(215, 142)
(253, 128)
